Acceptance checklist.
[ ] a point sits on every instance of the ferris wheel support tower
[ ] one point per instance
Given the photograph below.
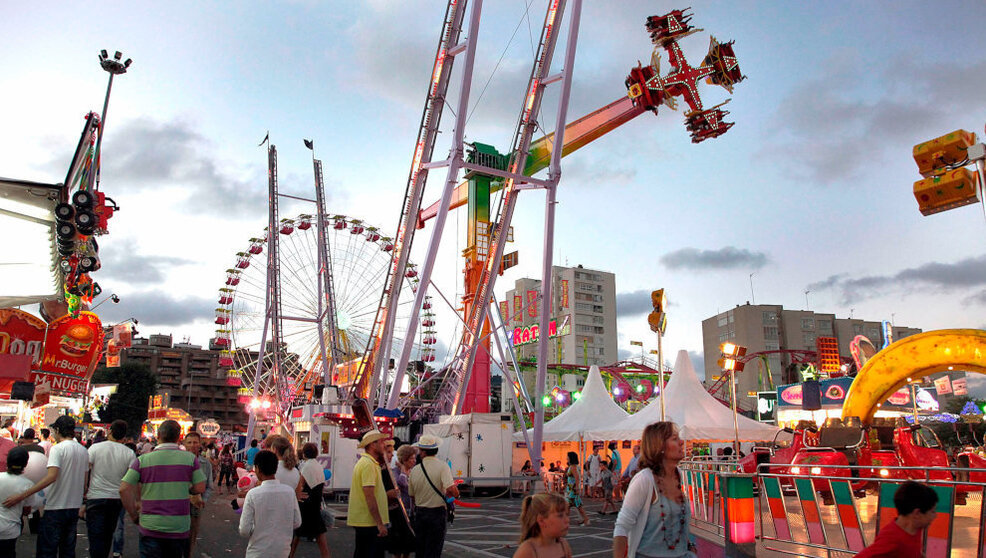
(272, 306)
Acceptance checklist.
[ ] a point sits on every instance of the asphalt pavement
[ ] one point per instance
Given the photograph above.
(490, 530)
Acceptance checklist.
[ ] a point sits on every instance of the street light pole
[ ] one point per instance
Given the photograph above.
(732, 393)
(114, 67)
(660, 370)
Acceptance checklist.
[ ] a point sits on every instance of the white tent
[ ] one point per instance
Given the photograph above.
(594, 408)
(699, 415)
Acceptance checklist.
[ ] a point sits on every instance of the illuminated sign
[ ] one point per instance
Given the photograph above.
(564, 293)
(518, 305)
(888, 334)
(530, 334)
(766, 403)
(834, 392)
(532, 303)
(504, 317)
(208, 428)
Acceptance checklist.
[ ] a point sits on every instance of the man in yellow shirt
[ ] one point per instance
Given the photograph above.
(367, 512)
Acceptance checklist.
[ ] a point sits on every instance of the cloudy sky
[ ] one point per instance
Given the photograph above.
(810, 191)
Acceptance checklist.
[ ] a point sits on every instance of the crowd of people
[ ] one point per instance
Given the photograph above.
(401, 498)
(400, 501)
(160, 483)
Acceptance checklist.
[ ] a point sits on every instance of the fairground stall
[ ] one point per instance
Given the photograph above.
(159, 409)
(47, 365)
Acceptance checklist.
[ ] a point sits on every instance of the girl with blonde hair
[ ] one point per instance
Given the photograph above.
(654, 518)
(543, 526)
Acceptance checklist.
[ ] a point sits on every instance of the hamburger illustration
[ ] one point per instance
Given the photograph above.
(76, 341)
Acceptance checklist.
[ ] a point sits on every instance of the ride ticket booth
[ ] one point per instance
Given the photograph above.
(159, 410)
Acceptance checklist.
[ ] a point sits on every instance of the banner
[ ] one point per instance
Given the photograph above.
(72, 350)
(943, 386)
(532, 304)
(834, 390)
(960, 387)
(21, 338)
(123, 335)
(518, 307)
(564, 293)
(504, 317)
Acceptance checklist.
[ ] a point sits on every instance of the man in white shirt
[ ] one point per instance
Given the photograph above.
(68, 462)
(270, 512)
(108, 462)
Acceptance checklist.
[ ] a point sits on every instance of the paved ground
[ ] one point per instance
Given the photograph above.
(491, 530)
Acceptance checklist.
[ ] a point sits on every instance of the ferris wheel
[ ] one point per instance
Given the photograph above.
(359, 260)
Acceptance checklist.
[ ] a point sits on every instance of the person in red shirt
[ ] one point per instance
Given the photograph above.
(915, 503)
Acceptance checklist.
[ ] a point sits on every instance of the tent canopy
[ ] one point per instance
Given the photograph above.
(594, 407)
(698, 415)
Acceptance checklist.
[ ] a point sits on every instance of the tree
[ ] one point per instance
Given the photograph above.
(955, 404)
(135, 383)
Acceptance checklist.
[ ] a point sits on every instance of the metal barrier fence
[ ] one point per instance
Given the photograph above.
(819, 512)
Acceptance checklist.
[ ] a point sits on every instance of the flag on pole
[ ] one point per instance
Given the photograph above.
(265, 140)
(310, 144)
(637, 343)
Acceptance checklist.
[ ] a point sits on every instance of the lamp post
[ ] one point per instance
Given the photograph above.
(658, 322)
(731, 353)
(113, 297)
(114, 67)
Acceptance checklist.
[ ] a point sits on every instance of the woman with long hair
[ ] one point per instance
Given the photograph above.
(654, 518)
(572, 483)
(287, 460)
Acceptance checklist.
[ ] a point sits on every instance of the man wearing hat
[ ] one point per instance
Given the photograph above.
(68, 462)
(367, 512)
(430, 484)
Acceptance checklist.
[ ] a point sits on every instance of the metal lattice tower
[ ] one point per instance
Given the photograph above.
(378, 349)
(272, 311)
(326, 292)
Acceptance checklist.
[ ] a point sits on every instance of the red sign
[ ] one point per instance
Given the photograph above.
(532, 303)
(900, 397)
(529, 334)
(564, 293)
(21, 335)
(72, 349)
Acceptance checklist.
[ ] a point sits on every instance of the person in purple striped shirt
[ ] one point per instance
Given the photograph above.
(164, 480)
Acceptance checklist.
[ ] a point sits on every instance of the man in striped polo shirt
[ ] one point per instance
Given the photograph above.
(164, 479)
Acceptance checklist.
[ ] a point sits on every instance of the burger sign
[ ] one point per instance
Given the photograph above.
(72, 349)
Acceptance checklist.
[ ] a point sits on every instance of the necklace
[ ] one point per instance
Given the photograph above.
(665, 515)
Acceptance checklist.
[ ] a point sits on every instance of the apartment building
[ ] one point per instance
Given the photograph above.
(771, 327)
(192, 376)
(583, 311)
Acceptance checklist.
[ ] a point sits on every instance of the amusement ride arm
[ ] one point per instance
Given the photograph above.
(577, 134)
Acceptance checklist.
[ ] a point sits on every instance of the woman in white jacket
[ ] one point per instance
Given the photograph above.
(654, 519)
